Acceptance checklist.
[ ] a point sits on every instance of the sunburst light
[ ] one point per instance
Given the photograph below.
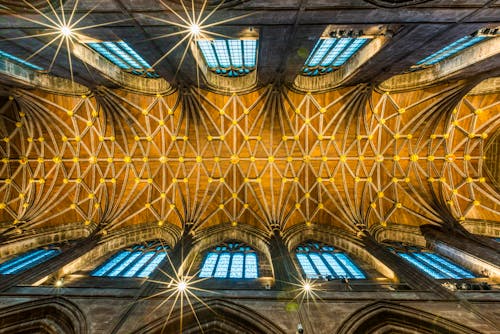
(60, 26)
(192, 24)
(181, 290)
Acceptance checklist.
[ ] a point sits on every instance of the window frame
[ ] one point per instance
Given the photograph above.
(231, 248)
(133, 269)
(427, 262)
(319, 248)
(19, 260)
(208, 49)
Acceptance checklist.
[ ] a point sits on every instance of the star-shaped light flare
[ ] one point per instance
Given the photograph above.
(61, 26)
(180, 288)
(193, 25)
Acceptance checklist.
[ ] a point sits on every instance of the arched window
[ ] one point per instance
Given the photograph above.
(430, 263)
(318, 260)
(134, 261)
(229, 58)
(28, 260)
(231, 260)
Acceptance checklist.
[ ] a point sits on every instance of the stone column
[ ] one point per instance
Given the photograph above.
(48, 267)
(406, 273)
(284, 269)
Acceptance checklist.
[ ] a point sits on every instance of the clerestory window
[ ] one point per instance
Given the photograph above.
(456, 47)
(230, 260)
(135, 261)
(231, 57)
(319, 260)
(430, 263)
(28, 260)
(330, 53)
(19, 61)
(123, 56)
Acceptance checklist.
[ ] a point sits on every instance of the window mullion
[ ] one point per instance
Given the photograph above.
(332, 271)
(318, 273)
(347, 271)
(228, 272)
(131, 264)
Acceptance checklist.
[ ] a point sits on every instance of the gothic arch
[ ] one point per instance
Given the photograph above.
(122, 238)
(339, 239)
(217, 316)
(46, 316)
(384, 317)
(212, 236)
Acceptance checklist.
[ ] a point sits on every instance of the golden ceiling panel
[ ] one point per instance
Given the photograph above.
(273, 158)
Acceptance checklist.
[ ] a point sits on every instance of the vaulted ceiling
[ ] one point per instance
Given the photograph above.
(379, 149)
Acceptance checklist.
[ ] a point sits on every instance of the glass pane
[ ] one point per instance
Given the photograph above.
(24, 257)
(334, 264)
(319, 264)
(112, 262)
(236, 266)
(306, 266)
(124, 264)
(209, 265)
(347, 262)
(426, 269)
(222, 265)
(451, 50)
(139, 264)
(19, 61)
(251, 265)
(461, 272)
(152, 265)
(32, 261)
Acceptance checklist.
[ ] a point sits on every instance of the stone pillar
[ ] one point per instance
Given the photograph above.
(46, 268)
(284, 269)
(406, 273)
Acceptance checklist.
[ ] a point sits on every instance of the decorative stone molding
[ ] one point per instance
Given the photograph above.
(50, 315)
(222, 315)
(444, 69)
(396, 232)
(41, 237)
(380, 316)
(488, 86)
(482, 227)
(337, 78)
(126, 80)
(33, 79)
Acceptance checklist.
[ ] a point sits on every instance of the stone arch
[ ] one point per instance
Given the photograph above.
(120, 239)
(384, 317)
(339, 239)
(252, 236)
(46, 316)
(216, 316)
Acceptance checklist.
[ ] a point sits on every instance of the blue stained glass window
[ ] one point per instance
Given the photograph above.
(231, 58)
(19, 61)
(319, 260)
(27, 260)
(430, 263)
(123, 56)
(330, 53)
(135, 261)
(453, 48)
(231, 260)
